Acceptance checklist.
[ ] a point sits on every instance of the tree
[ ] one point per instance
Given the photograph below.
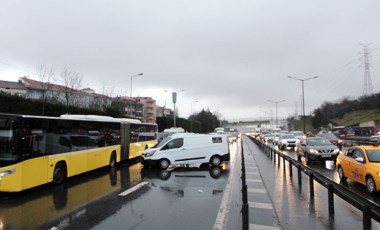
(104, 100)
(208, 121)
(72, 82)
(319, 119)
(46, 75)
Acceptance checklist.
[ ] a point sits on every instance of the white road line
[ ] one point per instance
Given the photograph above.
(255, 190)
(260, 205)
(253, 180)
(134, 188)
(251, 173)
(250, 167)
(262, 227)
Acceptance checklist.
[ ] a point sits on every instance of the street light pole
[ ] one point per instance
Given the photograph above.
(131, 82)
(130, 92)
(303, 98)
(276, 102)
(191, 115)
(174, 98)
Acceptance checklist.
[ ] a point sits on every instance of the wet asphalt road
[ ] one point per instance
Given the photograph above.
(178, 198)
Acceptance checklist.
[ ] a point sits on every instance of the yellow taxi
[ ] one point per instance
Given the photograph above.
(361, 164)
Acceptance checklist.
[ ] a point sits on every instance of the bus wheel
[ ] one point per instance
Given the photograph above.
(215, 161)
(59, 173)
(113, 161)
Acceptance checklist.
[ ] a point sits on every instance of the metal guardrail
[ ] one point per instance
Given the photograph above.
(369, 209)
(244, 191)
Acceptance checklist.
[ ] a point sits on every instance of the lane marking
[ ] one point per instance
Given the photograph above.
(251, 167)
(260, 205)
(134, 188)
(253, 180)
(256, 190)
(262, 227)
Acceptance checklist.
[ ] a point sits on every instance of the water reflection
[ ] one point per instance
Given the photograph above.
(63, 204)
(188, 182)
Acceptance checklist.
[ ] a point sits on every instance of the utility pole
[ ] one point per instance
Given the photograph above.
(302, 80)
(367, 77)
(276, 102)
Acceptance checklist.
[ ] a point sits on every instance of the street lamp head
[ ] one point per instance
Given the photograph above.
(140, 74)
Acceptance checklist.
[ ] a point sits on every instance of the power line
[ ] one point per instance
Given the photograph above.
(17, 67)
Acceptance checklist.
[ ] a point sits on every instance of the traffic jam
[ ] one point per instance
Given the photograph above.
(353, 159)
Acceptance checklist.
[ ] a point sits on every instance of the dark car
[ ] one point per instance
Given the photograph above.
(332, 138)
(317, 149)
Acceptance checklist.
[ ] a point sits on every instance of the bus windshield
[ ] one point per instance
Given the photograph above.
(8, 139)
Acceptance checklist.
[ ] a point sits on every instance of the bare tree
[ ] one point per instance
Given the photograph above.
(72, 83)
(46, 75)
(102, 101)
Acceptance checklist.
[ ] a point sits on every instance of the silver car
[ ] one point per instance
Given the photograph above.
(287, 140)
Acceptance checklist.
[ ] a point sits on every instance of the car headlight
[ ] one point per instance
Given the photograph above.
(336, 150)
(313, 151)
(149, 154)
(378, 173)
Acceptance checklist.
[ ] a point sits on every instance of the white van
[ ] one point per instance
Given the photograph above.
(219, 130)
(188, 148)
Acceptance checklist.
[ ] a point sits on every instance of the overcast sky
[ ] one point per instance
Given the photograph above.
(232, 56)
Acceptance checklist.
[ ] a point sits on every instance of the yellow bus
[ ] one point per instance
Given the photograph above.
(36, 150)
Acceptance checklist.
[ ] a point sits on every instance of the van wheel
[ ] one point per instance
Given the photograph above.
(215, 161)
(59, 174)
(164, 163)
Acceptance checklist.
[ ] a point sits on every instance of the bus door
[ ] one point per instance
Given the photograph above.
(35, 163)
(124, 141)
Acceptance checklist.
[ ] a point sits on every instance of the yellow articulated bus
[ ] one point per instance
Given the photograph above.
(36, 150)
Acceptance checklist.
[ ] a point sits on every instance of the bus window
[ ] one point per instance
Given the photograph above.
(8, 142)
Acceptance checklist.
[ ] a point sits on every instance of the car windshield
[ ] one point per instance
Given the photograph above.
(298, 133)
(288, 136)
(318, 142)
(328, 135)
(8, 145)
(373, 155)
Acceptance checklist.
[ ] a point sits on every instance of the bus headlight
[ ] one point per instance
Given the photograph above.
(7, 172)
